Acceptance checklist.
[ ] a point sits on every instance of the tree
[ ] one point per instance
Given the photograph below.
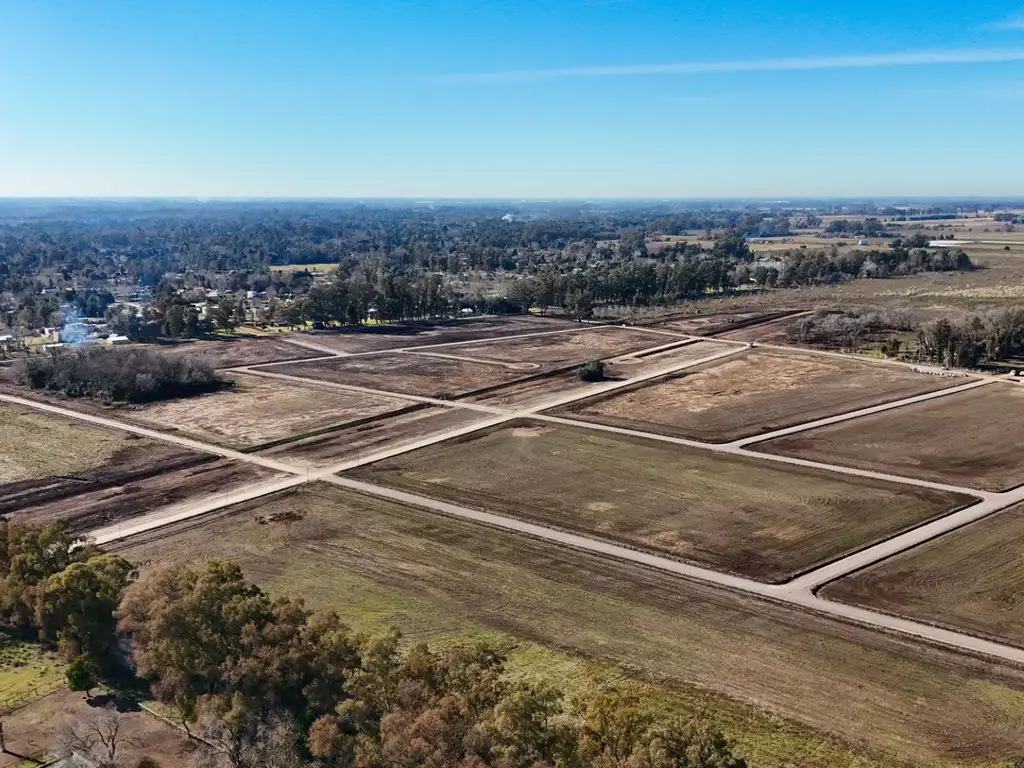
(592, 370)
(79, 604)
(82, 675)
(100, 736)
(224, 313)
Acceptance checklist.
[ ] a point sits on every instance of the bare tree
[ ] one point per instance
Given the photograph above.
(100, 736)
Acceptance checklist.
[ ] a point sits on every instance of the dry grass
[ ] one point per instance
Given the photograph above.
(968, 438)
(565, 349)
(261, 410)
(790, 688)
(762, 520)
(34, 445)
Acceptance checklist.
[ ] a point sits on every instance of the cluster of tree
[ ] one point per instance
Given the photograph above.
(869, 227)
(990, 337)
(113, 374)
(729, 265)
(273, 685)
(63, 589)
(851, 328)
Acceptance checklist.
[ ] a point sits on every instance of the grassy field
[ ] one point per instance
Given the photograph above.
(790, 688)
(261, 410)
(966, 438)
(236, 350)
(753, 392)
(34, 445)
(758, 519)
(26, 671)
(971, 580)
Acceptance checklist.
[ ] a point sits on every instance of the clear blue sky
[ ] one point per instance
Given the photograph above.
(460, 98)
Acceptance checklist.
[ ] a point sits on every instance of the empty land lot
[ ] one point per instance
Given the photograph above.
(753, 392)
(259, 410)
(715, 323)
(380, 337)
(971, 580)
(383, 564)
(408, 373)
(565, 348)
(242, 350)
(968, 438)
(35, 445)
(758, 519)
(373, 436)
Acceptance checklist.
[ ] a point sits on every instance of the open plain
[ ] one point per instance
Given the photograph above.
(642, 552)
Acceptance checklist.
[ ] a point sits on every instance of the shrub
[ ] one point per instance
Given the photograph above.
(592, 370)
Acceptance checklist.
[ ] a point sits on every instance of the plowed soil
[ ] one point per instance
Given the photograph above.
(755, 391)
(969, 438)
(971, 580)
(757, 519)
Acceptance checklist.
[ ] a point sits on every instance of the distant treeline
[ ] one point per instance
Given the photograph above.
(728, 266)
(120, 375)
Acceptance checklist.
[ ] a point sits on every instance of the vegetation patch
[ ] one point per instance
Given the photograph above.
(120, 375)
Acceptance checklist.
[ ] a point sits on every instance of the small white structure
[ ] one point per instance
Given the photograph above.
(117, 339)
(862, 242)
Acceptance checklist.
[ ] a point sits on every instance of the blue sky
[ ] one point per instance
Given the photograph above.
(471, 98)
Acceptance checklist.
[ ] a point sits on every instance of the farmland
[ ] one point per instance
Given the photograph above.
(566, 348)
(759, 390)
(709, 650)
(727, 512)
(259, 410)
(970, 580)
(965, 438)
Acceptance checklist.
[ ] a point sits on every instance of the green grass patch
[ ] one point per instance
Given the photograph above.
(26, 670)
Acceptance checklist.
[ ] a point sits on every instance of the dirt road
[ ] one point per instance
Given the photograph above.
(800, 591)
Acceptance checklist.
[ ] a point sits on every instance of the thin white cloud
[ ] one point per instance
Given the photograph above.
(795, 64)
(1015, 23)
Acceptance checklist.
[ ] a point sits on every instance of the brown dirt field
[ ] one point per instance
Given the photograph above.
(373, 436)
(34, 731)
(408, 373)
(773, 332)
(237, 351)
(715, 323)
(597, 343)
(968, 439)
(97, 505)
(752, 392)
(753, 518)
(743, 663)
(379, 337)
(262, 410)
(971, 580)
